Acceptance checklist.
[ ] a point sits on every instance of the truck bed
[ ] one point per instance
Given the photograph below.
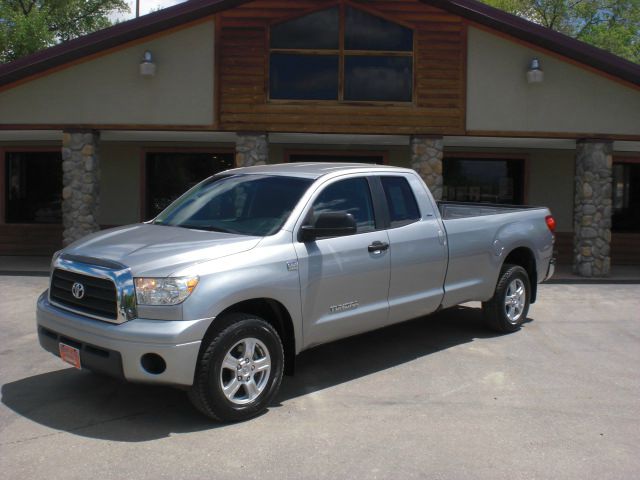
(452, 210)
(479, 236)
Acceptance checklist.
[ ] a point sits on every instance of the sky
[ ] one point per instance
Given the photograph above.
(146, 6)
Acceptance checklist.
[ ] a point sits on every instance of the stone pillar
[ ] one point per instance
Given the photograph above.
(592, 208)
(426, 159)
(252, 148)
(81, 184)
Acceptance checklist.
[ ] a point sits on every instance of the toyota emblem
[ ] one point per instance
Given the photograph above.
(77, 290)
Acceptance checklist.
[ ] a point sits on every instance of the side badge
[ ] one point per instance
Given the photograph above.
(344, 306)
(292, 265)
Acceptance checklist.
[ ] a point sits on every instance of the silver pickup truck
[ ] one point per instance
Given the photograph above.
(221, 291)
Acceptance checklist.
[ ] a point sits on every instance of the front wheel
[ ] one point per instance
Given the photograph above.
(239, 371)
(508, 307)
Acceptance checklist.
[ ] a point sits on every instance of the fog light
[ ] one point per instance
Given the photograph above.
(153, 363)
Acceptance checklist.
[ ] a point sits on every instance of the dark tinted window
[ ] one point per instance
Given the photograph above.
(351, 196)
(626, 197)
(345, 157)
(364, 31)
(308, 77)
(255, 205)
(170, 174)
(318, 30)
(377, 58)
(33, 187)
(403, 208)
(483, 180)
(378, 78)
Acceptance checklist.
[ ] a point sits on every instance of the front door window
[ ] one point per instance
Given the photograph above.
(349, 196)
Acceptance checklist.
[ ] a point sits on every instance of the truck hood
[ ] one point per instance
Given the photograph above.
(159, 250)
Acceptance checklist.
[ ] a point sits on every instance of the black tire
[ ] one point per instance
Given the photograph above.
(207, 394)
(495, 311)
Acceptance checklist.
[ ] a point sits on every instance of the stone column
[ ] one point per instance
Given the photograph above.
(592, 208)
(426, 159)
(252, 148)
(81, 184)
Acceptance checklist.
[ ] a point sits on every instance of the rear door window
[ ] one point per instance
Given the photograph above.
(403, 208)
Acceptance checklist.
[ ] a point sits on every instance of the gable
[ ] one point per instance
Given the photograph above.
(433, 105)
(571, 99)
(109, 90)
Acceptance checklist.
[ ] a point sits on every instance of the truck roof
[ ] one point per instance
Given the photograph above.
(313, 169)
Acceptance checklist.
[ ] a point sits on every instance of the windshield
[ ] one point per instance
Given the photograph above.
(256, 205)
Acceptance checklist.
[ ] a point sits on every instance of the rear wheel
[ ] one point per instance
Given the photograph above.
(240, 370)
(508, 307)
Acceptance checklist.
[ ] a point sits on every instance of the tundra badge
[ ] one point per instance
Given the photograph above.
(344, 306)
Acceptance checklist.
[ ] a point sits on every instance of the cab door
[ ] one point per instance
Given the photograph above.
(344, 280)
(418, 249)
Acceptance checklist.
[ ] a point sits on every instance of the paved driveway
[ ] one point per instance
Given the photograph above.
(438, 397)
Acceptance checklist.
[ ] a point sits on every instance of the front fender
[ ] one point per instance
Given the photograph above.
(264, 272)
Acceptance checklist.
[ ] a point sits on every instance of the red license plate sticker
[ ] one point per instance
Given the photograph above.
(70, 355)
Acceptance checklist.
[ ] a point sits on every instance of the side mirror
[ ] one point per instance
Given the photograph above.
(336, 224)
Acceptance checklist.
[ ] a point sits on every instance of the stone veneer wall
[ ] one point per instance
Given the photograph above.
(252, 149)
(592, 208)
(81, 184)
(426, 159)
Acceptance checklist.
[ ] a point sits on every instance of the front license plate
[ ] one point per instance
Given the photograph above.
(70, 355)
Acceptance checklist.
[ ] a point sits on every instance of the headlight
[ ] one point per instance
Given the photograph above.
(164, 291)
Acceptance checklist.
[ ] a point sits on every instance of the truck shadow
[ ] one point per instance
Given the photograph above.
(98, 407)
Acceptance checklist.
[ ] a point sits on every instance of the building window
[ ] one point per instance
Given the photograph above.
(626, 197)
(304, 77)
(341, 54)
(33, 186)
(486, 180)
(170, 174)
(333, 156)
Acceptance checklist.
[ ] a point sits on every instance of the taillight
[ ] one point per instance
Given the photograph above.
(551, 223)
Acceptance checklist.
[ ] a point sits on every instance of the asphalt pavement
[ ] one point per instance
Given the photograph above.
(439, 398)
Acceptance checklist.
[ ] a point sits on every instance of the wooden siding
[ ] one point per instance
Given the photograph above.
(439, 75)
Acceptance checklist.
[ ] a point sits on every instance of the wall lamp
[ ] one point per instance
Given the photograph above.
(147, 67)
(535, 73)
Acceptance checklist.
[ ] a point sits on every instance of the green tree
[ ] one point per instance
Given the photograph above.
(27, 26)
(612, 25)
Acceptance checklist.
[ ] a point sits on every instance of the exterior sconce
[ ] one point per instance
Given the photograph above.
(147, 67)
(535, 73)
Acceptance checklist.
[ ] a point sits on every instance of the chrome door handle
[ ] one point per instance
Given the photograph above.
(377, 247)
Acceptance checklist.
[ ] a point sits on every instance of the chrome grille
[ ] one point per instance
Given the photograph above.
(100, 296)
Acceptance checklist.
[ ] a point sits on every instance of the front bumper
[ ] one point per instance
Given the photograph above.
(117, 349)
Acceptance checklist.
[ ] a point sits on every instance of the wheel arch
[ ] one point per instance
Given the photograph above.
(271, 311)
(524, 257)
